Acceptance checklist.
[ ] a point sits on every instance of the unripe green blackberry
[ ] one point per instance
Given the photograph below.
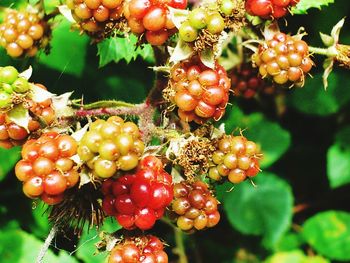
(110, 146)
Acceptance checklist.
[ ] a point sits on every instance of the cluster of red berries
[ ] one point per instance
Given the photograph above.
(235, 157)
(110, 146)
(201, 19)
(145, 249)
(194, 206)
(92, 15)
(46, 168)
(246, 82)
(22, 33)
(284, 59)
(152, 17)
(199, 92)
(269, 8)
(139, 199)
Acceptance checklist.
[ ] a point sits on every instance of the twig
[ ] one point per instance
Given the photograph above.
(45, 247)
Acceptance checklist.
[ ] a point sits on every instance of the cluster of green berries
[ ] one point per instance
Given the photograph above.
(110, 146)
(199, 19)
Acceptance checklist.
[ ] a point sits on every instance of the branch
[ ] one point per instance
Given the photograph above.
(45, 247)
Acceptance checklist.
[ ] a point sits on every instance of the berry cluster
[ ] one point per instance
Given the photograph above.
(246, 82)
(22, 33)
(284, 59)
(93, 15)
(201, 19)
(145, 249)
(110, 146)
(235, 157)
(152, 17)
(195, 206)
(46, 168)
(12, 134)
(10, 83)
(138, 200)
(267, 9)
(199, 92)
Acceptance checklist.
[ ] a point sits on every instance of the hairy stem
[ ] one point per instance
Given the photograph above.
(45, 247)
(329, 52)
(180, 247)
(103, 104)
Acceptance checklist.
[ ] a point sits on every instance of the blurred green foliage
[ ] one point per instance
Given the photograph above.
(306, 149)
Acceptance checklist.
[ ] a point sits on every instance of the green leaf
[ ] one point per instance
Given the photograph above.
(305, 5)
(11, 156)
(86, 248)
(263, 210)
(119, 48)
(68, 50)
(270, 136)
(40, 227)
(18, 246)
(314, 100)
(338, 160)
(296, 256)
(289, 241)
(328, 233)
(51, 5)
(33, 2)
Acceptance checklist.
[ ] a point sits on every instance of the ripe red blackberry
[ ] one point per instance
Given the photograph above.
(46, 168)
(269, 9)
(138, 200)
(200, 93)
(284, 59)
(195, 206)
(144, 249)
(93, 16)
(23, 33)
(235, 157)
(246, 82)
(110, 146)
(152, 18)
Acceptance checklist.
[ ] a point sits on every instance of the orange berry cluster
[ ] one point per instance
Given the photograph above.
(152, 17)
(284, 59)
(93, 15)
(46, 168)
(145, 249)
(110, 146)
(235, 157)
(23, 33)
(200, 93)
(195, 206)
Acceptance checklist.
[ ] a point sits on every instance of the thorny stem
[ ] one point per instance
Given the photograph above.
(45, 247)
(180, 248)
